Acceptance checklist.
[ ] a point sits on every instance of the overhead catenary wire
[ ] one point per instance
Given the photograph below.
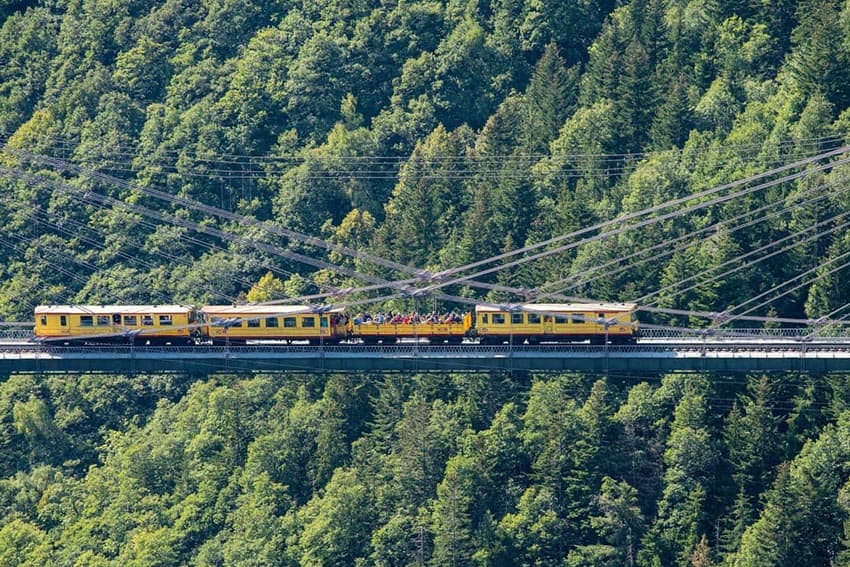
(261, 163)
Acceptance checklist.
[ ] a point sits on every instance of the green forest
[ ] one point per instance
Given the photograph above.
(432, 134)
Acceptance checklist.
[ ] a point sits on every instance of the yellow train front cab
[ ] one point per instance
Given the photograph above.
(115, 323)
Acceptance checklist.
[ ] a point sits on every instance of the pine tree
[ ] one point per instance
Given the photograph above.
(548, 101)
(673, 121)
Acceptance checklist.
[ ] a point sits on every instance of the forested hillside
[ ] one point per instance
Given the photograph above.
(434, 134)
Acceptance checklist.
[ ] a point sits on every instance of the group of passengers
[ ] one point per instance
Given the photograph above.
(390, 318)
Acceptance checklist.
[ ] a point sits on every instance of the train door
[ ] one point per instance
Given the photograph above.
(548, 325)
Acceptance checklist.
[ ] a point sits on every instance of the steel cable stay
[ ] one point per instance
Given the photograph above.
(104, 202)
(60, 164)
(441, 282)
(134, 259)
(830, 165)
(729, 316)
(61, 269)
(63, 165)
(667, 204)
(582, 278)
(558, 295)
(145, 223)
(218, 233)
(676, 290)
(831, 322)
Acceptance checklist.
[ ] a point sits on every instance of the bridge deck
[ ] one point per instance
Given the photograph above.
(660, 357)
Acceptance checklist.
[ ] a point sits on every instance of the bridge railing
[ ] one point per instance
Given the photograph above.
(16, 334)
(412, 350)
(831, 331)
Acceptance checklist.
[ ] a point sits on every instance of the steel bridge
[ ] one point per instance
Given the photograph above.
(646, 357)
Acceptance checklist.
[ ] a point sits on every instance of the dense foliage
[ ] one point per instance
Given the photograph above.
(433, 133)
(425, 469)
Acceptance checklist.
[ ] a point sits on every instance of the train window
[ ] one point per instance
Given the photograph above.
(271, 322)
(498, 318)
(130, 320)
(324, 322)
(253, 323)
(43, 320)
(103, 320)
(308, 321)
(147, 320)
(576, 319)
(289, 322)
(116, 318)
(534, 318)
(516, 318)
(86, 321)
(484, 318)
(165, 320)
(561, 319)
(63, 320)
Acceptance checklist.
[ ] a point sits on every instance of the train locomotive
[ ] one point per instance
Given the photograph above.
(531, 323)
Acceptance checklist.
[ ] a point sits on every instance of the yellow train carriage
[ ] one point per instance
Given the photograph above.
(115, 323)
(240, 323)
(537, 322)
(371, 332)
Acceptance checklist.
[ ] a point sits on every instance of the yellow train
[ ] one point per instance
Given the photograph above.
(531, 323)
(93, 323)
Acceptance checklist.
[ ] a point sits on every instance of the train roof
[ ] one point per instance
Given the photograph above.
(110, 309)
(558, 307)
(264, 310)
